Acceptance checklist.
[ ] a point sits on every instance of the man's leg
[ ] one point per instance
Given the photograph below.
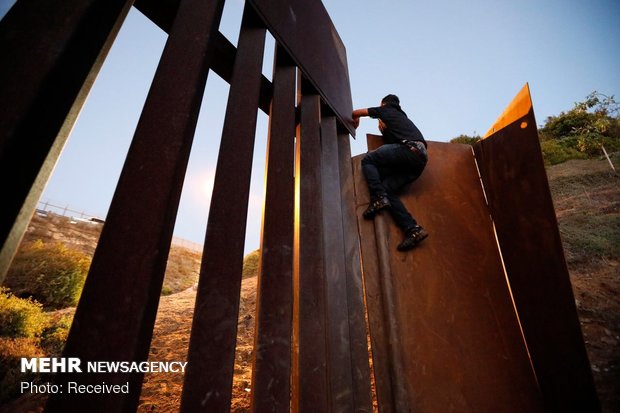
(375, 165)
(381, 158)
(394, 184)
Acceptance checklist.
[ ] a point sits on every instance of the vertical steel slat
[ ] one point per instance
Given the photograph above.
(337, 320)
(272, 348)
(374, 298)
(396, 366)
(162, 14)
(373, 292)
(116, 313)
(306, 31)
(208, 379)
(310, 389)
(355, 291)
(51, 53)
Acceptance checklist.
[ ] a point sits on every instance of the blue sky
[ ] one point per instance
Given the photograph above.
(455, 65)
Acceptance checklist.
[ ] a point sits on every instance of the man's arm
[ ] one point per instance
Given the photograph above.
(357, 113)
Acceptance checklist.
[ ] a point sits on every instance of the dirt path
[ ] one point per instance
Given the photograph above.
(161, 392)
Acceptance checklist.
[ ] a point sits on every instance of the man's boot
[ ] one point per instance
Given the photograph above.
(376, 205)
(412, 238)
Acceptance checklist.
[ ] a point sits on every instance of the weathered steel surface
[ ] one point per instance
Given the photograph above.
(117, 311)
(310, 385)
(271, 373)
(208, 379)
(387, 351)
(518, 108)
(306, 31)
(515, 181)
(461, 345)
(337, 311)
(119, 302)
(51, 53)
(374, 304)
(162, 12)
(355, 289)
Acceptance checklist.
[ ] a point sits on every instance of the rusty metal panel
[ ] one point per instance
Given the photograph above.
(372, 288)
(515, 181)
(51, 53)
(337, 311)
(306, 31)
(460, 341)
(397, 369)
(309, 379)
(518, 108)
(272, 350)
(374, 304)
(118, 305)
(162, 12)
(355, 289)
(208, 379)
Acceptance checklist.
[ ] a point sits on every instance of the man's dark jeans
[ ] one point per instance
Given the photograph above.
(388, 170)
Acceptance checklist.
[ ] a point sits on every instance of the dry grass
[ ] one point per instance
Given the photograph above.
(182, 270)
(161, 392)
(183, 264)
(586, 195)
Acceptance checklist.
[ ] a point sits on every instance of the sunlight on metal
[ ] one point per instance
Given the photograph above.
(519, 107)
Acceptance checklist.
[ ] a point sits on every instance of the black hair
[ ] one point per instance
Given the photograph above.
(391, 100)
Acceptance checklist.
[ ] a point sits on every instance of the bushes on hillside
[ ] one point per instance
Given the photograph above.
(20, 317)
(583, 130)
(26, 331)
(466, 139)
(250, 264)
(54, 335)
(555, 152)
(579, 133)
(11, 352)
(52, 274)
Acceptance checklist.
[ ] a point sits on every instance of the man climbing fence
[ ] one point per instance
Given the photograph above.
(395, 164)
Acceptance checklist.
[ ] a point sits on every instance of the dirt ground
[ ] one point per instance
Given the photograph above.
(161, 392)
(586, 196)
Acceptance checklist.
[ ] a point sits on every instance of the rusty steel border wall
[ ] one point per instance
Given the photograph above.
(314, 297)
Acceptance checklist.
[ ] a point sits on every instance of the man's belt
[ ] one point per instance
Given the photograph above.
(416, 147)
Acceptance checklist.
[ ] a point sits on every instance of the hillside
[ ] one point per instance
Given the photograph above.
(586, 196)
(183, 263)
(587, 201)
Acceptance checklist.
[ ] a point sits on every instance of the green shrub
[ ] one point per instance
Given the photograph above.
(554, 152)
(54, 336)
(20, 317)
(53, 274)
(590, 124)
(250, 264)
(11, 352)
(465, 139)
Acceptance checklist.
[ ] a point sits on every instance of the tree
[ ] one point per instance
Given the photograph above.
(466, 139)
(590, 124)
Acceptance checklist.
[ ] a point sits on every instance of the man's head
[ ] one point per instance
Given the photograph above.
(390, 100)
